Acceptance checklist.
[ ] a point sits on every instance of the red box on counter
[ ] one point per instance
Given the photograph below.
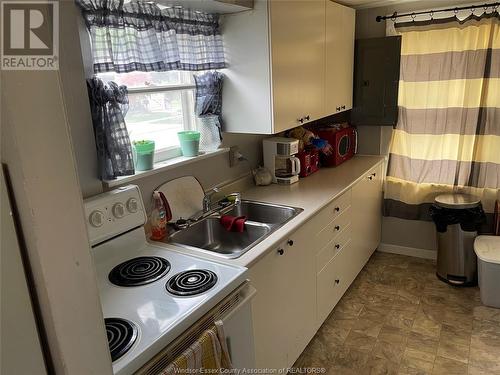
(309, 161)
(343, 141)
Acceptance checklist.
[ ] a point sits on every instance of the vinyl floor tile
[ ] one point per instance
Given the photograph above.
(398, 318)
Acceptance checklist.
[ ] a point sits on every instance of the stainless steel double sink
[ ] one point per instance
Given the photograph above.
(209, 235)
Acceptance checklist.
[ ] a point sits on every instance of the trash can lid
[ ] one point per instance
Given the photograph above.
(487, 248)
(457, 201)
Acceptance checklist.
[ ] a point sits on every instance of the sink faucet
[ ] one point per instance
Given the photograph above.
(207, 199)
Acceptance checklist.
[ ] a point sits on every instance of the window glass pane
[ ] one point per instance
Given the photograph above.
(156, 116)
(148, 79)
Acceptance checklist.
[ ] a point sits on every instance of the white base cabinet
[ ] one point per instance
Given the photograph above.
(367, 213)
(300, 281)
(284, 306)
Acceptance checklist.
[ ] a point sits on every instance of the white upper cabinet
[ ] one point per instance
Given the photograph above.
(298, 61)
(340, 25)
(277, 56)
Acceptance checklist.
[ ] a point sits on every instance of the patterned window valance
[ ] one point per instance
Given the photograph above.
(141, 36)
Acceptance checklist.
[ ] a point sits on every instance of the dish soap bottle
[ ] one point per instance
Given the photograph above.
(158, 218)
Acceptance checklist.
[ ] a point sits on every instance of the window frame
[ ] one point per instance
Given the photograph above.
(187, 92)
(187, 101)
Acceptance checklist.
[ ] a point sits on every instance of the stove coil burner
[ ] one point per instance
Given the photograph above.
(191, 282)
(139, 271)
(122, 334)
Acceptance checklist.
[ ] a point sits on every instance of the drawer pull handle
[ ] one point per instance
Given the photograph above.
(370, 177)
(337, 281)
(337, 227)
(337, 209)
(290, 242)
(307, 118)
(374, 174)
(337, 246)
(281, 251)
(301, 120)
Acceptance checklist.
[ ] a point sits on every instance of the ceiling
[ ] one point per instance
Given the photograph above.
(364, 4)
(359, 4)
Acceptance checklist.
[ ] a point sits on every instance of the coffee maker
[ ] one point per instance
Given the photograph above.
(280, 159)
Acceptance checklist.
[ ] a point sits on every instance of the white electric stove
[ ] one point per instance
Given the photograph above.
(149, 294)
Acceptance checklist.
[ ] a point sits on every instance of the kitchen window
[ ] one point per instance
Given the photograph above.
(160, 105)
(153, 50)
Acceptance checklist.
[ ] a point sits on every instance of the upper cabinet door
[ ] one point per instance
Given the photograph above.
(340, 24)
(289, 62)
(348, 27)
(298, 61)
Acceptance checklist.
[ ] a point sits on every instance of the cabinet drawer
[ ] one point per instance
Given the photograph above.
(340, 204)
(332, 248)
(328, 291)
(333, 210)
(333, 229)
(332, 282)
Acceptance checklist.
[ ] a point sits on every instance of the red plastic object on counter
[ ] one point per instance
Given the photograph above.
(233, 223)
(309, 161)
(342, 140)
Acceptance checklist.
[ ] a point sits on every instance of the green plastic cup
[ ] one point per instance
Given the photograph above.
(143, 153)
(190, 142)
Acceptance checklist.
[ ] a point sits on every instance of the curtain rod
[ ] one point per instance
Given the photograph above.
(432, 12)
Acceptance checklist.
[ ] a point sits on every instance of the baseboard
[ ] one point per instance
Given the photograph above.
(409, 251)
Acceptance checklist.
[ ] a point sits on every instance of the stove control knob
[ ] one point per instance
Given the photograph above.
(118, 210)
(132, 205)
(96, 219)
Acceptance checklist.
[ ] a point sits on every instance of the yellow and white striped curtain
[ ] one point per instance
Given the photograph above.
(448, 134)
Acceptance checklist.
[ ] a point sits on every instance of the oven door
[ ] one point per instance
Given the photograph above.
(238, 328)
(236, 316)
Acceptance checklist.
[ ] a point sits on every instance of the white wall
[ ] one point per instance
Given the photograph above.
(38, 108)
(367, 27)
(75, 92)
(212, 171)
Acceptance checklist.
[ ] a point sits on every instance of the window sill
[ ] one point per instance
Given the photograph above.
(163, 166)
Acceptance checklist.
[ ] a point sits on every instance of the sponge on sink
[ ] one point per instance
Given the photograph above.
(233, 223)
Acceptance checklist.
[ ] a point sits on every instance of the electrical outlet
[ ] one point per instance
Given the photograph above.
(234, 156)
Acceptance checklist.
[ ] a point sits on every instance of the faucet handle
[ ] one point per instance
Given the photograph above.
(236, 195)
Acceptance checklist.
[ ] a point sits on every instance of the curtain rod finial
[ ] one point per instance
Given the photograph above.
(379, 18)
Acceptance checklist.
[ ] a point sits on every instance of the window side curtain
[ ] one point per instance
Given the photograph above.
(208, 107)
(140, 36)
(109, 104)
(448, 134)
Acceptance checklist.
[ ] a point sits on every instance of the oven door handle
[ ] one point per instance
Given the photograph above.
(249, 294)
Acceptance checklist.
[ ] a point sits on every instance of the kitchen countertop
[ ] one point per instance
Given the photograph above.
(311, 193)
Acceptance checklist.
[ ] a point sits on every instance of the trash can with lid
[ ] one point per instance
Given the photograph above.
(488, 264)
(457, 218)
